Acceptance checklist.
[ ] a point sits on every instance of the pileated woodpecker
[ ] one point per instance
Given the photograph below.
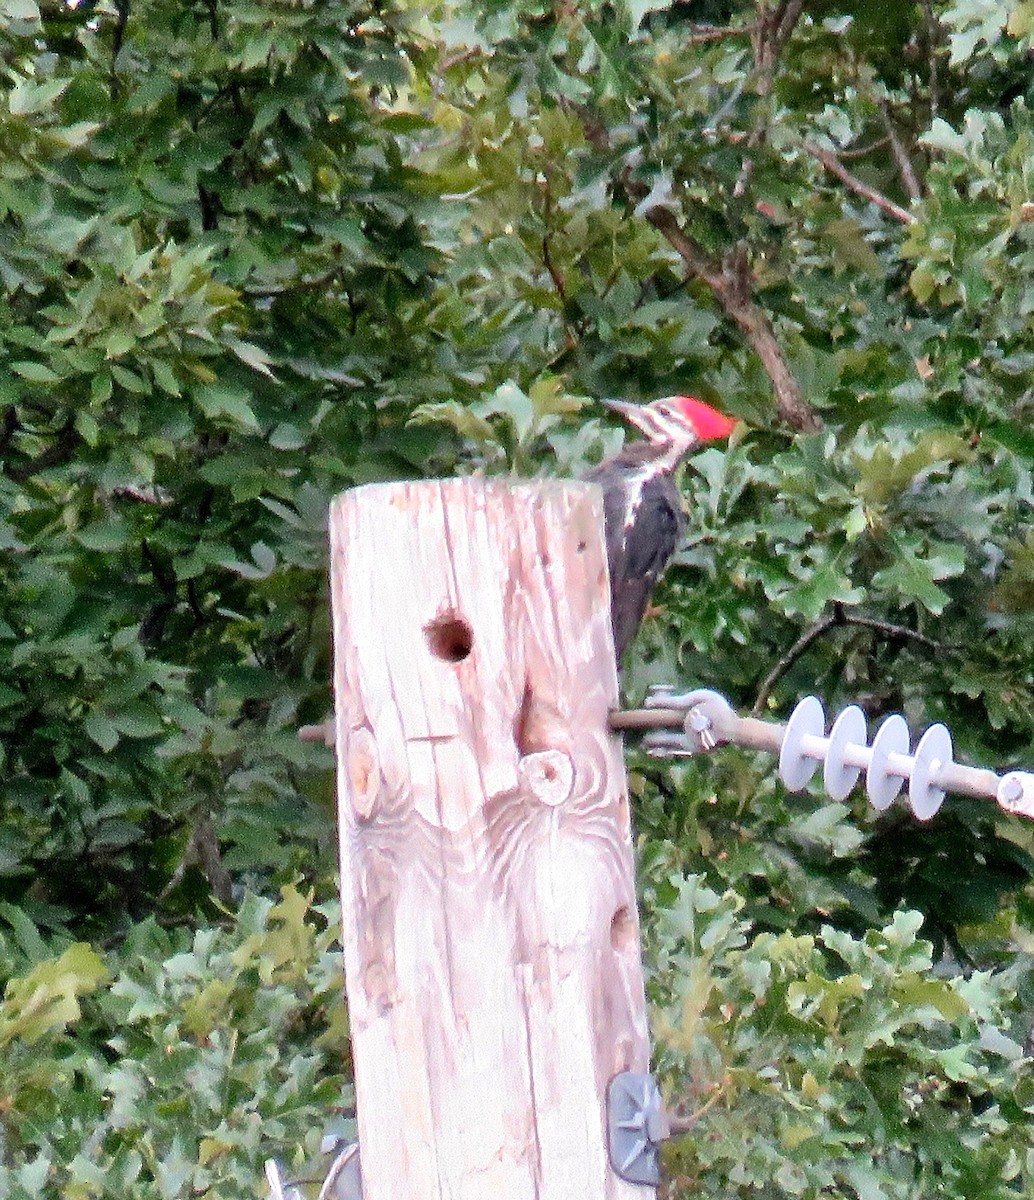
(642, 508)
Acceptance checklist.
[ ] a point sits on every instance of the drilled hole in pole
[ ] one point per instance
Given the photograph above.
(449, 637)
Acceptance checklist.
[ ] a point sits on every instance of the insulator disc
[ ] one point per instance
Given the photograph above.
(881, 785)
(933, 752)
(848, 729)
(795, 767)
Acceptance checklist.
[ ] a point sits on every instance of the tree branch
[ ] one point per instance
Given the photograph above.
(786, 17)
(117, 38)
(771, 33)
(202, 849)
(933, 37)
(863, 151)
(729, 281)
(835, 167)
(700, 34)
(9, 427)
(313, 283)
(892, 632)
(553, 270)
(812, 634)
(774, 27)
(732, 287)
(838, 618)
(909, 178)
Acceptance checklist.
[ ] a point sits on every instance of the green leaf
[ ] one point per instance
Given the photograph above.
(29, 99)
(137, 721)
(263, 566)
(46, 999)
(35, 372)
(255, 357)
(286, 437)
(20, 10)
(1021, 20)
(107, 535)
(822, 586)
(119, 342)
(165, 377)
(102, 730)
(218, 402)
(915, 571)
(639, 9)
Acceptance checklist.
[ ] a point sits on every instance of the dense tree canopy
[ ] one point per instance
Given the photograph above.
(254, 252)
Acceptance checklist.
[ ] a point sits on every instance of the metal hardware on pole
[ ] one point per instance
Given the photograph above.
(694, 722)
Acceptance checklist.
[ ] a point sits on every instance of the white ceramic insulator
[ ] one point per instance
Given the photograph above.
(932, 754)
(814, 747)
(857, 756)
(847, 735)
(803, 744)
(900, 764)
(889, 765)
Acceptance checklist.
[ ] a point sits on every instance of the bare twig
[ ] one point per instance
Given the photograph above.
(838, 618)
(743, 179)
(117, 38)
(909, 178)
(835, 167)
(810, 635)
(863, 151)
(314, 283)
(206, 842)
(681, 1125)
(933, 36)
(892, 632)
(457, 57)
(699, 34)
(773, 31)
(195, 604)
(202, 849)
(555, 274)
(143, 494)
(9, 427)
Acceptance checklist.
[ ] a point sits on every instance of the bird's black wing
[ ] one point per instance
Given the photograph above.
(639, 544)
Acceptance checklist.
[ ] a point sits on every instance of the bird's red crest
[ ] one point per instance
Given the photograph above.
(707, 421)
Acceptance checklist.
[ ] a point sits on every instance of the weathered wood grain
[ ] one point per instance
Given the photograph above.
(491, 936)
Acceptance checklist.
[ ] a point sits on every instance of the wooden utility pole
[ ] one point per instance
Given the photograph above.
(490, 927)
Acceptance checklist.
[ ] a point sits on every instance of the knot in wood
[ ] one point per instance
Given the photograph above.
(548, 775)
(364, 772)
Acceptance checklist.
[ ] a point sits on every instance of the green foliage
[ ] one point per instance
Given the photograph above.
(253, 254)
(212, 264)
(178, 1064)
(828, 1064)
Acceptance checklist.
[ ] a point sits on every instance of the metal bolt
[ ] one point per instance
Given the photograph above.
(700, 723)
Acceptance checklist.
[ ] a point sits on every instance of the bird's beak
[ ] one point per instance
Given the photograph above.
(631, 412)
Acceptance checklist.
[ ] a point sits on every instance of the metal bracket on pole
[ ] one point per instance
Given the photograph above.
(696, 721)
(636, 1126)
